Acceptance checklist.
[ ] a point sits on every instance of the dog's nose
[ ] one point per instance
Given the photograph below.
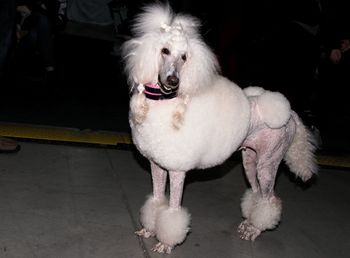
(172, 80)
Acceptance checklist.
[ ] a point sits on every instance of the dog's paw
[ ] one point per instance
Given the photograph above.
(162, 248)
(178, 119)
(145, 233)
(247, 231)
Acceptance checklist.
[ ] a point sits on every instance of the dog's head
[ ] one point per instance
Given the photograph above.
(167, 50)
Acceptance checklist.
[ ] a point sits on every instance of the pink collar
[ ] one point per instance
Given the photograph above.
(153, 91)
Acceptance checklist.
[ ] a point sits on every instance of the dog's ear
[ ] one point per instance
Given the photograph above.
(141, 60)
(141, 52)
(201, 67)
(152, 19)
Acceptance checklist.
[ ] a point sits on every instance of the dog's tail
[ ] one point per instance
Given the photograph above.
(300, 156)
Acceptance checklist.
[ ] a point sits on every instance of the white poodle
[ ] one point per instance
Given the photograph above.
(185, 116)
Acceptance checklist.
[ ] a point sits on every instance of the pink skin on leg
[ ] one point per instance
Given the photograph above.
(271, 145)
(177, 180)
(267, 148)
(249, 157)
(249, 164)
(159, 177)
(266, 177)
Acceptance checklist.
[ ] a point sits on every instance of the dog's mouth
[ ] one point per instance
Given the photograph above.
(167, 89)
(170, 87)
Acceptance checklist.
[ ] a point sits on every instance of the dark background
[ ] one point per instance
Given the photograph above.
(257, 43)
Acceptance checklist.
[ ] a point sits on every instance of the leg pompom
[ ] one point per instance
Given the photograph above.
(172, 226)
(149, 212)
(267, 213)
(248, 202)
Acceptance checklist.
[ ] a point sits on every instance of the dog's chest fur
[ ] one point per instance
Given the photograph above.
(215, 124)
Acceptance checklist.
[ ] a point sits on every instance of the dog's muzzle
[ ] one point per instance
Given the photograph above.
(170, 85)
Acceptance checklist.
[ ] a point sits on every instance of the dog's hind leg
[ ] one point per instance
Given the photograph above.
(154, 203)
(172, 224)
(266, 208)
(263, 208)
(251, 196)
(249, 163)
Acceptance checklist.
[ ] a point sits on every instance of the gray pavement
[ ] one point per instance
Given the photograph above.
(76, 202)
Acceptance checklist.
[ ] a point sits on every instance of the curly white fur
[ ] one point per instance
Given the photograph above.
(139, 108)
(149, 212)
(263, 213)
(142, 52)
(172, 226)
(210, 118)
(253, 91)
(154, 121)
(266, 214)
(274, 109)
(248, 202)
(300, 156)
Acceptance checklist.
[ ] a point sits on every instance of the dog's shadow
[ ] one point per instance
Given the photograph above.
(216, 172)
(198, 175)
(222, 170)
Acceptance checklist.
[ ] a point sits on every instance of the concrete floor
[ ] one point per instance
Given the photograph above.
(78, 202)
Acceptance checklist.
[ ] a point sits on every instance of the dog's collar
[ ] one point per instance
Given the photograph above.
(153, 92)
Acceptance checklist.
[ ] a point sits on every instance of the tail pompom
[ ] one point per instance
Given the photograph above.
(300, 156)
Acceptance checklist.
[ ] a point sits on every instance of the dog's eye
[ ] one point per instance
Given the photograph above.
(184, 57)
(165, 51)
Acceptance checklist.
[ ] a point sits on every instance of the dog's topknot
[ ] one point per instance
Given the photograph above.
(151, 19)
(158, 18)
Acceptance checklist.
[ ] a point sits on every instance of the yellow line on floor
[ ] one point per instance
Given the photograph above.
(28, 131)
(334, 160)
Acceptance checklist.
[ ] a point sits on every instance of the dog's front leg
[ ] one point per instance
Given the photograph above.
(154, 203)
(172, 224)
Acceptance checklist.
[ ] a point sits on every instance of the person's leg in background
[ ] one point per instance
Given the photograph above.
(7, 21)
